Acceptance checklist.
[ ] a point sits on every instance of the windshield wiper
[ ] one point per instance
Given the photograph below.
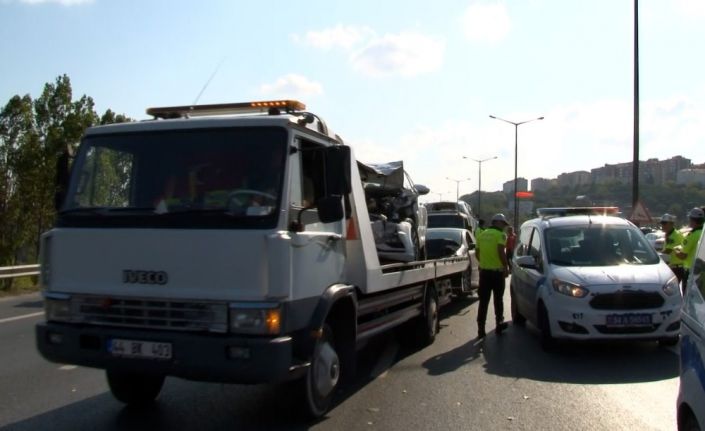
(105, 210)
(206, 211)
(84, 210)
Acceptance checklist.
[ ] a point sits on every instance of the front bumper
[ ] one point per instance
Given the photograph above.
(195, 356)
(586, 323)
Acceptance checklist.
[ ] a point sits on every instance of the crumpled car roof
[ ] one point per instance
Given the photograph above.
(387, 176)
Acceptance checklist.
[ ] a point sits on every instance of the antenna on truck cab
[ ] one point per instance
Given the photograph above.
(208, 81)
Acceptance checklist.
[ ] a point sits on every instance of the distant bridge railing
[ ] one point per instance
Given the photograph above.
(18, 271)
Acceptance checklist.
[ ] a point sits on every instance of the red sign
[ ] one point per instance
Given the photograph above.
(525, 195)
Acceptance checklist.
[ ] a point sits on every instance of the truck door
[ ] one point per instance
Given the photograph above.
(317, 248)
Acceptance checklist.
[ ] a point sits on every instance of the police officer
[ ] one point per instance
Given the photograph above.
(696, 217)
(494, 268)
(479, 228)
(673, 242)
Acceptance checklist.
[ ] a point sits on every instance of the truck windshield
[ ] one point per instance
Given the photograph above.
(198, 177)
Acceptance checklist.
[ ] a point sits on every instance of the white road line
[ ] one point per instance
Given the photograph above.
(24, 316)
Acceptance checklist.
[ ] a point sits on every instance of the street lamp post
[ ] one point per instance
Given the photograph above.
(479, 182)
(516, 147)
(457, 186)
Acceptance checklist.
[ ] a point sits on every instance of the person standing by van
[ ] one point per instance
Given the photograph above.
(672, 242)
(696, 217)
(511, 243)
(494, 268)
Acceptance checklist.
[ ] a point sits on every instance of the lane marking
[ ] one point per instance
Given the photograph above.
(24, 316)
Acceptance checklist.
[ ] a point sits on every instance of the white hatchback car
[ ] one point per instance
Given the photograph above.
(583, 275)
(691, 393)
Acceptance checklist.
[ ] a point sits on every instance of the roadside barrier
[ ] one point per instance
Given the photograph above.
(18, 271)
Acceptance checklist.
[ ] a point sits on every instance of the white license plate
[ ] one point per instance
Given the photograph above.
(632, 319)
(139, 349)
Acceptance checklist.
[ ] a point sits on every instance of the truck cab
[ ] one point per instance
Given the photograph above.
(226, 243)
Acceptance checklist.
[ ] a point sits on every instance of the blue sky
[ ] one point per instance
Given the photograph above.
(415, 80)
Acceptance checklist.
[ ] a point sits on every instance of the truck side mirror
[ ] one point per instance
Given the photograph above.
(330, 209)
(63, 172)
(338, 170)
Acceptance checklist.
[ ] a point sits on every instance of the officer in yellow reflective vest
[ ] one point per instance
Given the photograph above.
(494, 268)
(673, 241)
(696, 217)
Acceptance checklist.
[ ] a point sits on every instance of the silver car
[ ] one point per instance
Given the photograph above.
(455, 242)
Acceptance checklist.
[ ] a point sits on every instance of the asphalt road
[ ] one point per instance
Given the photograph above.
(458, 383)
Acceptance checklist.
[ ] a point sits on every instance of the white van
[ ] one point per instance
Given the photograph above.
(582, 274)
(691, 395)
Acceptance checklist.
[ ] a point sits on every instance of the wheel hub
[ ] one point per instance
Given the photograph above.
(326, 370)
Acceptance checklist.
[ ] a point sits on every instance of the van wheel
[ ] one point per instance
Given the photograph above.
(134, 389)
(428, 323)
(548, 343)
(517, 318)
(687, 421)
(323, 375)
(668, 341)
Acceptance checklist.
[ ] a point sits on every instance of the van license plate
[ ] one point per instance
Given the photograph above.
(628, 319)
(139, 349)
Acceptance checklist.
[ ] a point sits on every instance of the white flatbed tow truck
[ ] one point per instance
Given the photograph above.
(223, 243)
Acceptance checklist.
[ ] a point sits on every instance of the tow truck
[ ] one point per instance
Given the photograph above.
(223, 243)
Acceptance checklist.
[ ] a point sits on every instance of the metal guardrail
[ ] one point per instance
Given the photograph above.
(18, 271)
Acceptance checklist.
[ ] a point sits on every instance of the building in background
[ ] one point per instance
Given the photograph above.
(691, 176)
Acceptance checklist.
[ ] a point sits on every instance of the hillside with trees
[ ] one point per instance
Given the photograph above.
(672, 198)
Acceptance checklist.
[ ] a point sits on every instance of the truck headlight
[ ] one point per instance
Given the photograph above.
(671, 287)
(569, 289)
(255, 318)
(57, 307)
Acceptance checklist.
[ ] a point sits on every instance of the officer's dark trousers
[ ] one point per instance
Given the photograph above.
(491, 282)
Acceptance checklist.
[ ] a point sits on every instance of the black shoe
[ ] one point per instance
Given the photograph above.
(481, 333)
(500, 327)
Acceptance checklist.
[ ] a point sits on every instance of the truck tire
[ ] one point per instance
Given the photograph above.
(428, 323)
(134, 389)
(323, 375)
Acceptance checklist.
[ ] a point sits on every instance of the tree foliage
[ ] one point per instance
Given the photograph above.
(33, 134)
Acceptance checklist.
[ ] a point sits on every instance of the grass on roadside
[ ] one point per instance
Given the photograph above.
(18, 286)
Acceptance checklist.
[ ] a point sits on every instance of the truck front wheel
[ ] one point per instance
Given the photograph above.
(323, 374)
(134, 389)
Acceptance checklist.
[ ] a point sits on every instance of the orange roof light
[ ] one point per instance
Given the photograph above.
(225, 108)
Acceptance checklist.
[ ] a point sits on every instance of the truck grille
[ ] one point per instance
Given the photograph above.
(627, 300)
(152, 313)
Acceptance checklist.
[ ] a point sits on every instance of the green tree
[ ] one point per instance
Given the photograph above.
(33, 134)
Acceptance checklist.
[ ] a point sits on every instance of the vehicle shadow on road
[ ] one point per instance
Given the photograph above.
(517, 353)
(185, 405)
